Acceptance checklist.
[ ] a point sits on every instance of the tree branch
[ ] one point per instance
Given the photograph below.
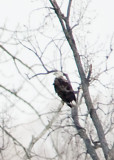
(69, 36)
(15, 140)
(82, 133)
(68, 10)
(23, 100)
(35, 139)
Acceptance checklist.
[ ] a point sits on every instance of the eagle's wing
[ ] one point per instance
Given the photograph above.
(64, 90)
(65, 84)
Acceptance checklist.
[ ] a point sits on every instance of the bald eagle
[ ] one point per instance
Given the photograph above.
(64, 89)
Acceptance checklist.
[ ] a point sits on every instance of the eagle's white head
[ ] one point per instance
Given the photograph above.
(58, 74)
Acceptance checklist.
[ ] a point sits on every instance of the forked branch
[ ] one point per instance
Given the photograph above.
(71, 41)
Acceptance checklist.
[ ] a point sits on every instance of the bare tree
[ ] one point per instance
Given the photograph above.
(67, 29)
(40, 125)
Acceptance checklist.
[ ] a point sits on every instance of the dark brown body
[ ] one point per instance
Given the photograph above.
(64, 90)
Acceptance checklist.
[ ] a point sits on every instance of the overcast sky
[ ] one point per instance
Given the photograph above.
(13, 12)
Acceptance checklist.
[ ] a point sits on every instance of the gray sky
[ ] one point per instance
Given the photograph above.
(15, 14)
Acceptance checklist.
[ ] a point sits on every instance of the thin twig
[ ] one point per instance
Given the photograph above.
(69, 8)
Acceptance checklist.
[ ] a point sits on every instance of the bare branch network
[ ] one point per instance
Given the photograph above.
(70, 116)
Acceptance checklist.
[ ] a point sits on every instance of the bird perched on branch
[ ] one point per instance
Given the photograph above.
(64, 89)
